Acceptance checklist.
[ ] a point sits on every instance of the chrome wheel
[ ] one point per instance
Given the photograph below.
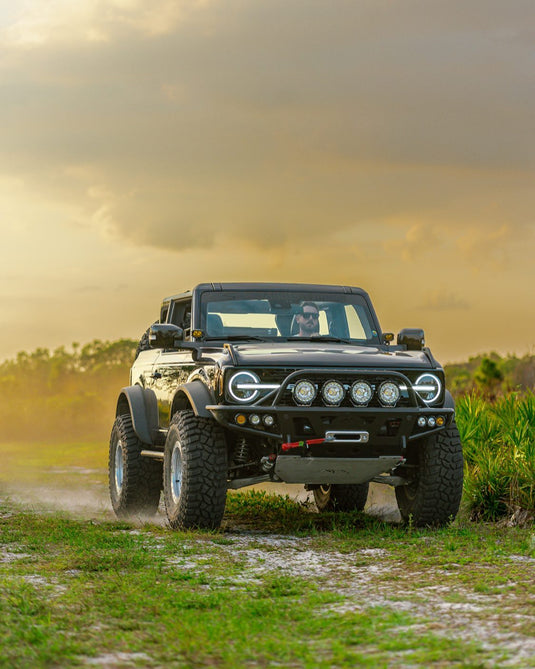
(119, 472)
(176, 471)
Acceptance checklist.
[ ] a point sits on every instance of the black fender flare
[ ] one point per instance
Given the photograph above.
(195, 394)
(449, 402)
(142, 405)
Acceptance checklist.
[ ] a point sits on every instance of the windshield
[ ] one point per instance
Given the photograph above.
(270, 314)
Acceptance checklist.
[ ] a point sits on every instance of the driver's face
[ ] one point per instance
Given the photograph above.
(309, 321)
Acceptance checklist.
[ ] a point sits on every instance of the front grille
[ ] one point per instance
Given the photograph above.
(287, 378)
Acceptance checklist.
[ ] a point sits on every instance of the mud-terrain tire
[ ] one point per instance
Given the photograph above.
(434, 496)
(194, 472)
(135, 482)
(338, 497)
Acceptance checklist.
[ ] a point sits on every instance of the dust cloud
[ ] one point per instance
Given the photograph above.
(44, 479)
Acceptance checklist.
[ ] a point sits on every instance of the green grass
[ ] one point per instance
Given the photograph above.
(32, 461)
(72, 591)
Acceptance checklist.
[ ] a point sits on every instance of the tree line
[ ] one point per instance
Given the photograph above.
(63, 394)
(491, 375)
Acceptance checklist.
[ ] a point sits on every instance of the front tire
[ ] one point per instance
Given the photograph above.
(432, 499)
(194, 472)
(135, 482)
(338, 497)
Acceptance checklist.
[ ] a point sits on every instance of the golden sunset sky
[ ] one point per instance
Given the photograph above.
(149, 146)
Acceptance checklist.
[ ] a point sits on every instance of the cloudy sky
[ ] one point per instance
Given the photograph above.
(388, 144)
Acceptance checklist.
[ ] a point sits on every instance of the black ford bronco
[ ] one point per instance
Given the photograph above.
(243, 383)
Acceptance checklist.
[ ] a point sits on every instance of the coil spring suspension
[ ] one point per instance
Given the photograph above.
(241, 452)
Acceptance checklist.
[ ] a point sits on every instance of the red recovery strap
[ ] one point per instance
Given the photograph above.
(300, 444)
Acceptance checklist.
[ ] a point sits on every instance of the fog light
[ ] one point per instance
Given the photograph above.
(422, 422)
(361, 393)
(269, 421)
(333, 392)
(388, 393)
(304, 392)
(254, 419)
(440, 421)
(240, 419)
(431, 421)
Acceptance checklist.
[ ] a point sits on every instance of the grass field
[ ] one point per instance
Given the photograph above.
(330, 590)
(279, 586)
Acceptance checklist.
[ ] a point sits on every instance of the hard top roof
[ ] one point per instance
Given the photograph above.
(290, 287)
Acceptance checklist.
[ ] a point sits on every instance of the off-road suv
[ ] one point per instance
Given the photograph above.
(228, 391)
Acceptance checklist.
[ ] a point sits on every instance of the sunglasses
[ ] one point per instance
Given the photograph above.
(309, 314)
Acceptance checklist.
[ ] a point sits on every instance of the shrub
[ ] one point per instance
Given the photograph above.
(499, 446)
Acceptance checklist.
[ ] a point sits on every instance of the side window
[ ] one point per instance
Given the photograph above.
(356, 329)
(323, 323)
(181, 315)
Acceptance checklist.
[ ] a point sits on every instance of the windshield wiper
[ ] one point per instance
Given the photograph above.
(322, 338)
(237, 337)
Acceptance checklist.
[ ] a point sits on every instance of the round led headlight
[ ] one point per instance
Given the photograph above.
(361, 393)
(428, 387)
(388, 393)
(333, 392)
(304, 392)
(241, 386)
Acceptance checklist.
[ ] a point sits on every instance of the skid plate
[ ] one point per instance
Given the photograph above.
(299, 469)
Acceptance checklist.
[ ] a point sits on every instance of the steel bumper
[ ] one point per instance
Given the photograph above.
(390, 427)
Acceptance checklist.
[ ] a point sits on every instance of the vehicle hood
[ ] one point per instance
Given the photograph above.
(326, 354)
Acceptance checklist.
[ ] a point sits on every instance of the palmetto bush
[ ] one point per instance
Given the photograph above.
(499, 448)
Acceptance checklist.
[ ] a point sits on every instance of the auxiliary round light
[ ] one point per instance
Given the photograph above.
(440, 421)
(422, 421)
(333, 392)
(254, 419)
(388, 393)
(361, 393)
(268, 419)
(304, 392)
(431, 421)
(239, 386)
(428, 387)
(240, 419)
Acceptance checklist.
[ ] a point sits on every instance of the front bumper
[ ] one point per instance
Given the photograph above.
(388, 430)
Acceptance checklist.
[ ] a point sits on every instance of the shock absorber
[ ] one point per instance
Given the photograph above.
(241, 451)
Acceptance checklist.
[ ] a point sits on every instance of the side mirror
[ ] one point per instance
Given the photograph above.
(412, 338)
(165, 335)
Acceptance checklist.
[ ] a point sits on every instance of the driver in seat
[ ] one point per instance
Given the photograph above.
(308, 320)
